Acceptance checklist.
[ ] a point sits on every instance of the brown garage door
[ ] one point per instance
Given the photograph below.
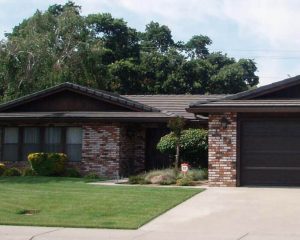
(270, 151)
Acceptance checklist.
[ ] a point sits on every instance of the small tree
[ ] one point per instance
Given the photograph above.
(177, 125)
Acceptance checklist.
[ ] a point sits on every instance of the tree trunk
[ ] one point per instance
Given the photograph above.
(177, 157)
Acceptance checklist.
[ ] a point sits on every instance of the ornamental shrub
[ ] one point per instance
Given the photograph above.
(48, 164)
(12, 172)
(2, 168)
(28, 172)
(193, 146)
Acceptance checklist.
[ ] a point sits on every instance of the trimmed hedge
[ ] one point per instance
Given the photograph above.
(2, 168)
(12, 172)
(48, 164)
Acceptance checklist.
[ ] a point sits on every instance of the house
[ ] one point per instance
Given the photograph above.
(254, 136)
(101, 132)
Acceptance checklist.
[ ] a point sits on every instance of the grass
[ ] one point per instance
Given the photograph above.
(70, 202)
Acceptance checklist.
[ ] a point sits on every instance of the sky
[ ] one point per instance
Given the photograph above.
(263, 30)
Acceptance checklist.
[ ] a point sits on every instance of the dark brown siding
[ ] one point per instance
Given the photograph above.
(270, 150)
(66, 101)
(287, 93)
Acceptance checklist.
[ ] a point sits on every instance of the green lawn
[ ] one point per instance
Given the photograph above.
(68, 202)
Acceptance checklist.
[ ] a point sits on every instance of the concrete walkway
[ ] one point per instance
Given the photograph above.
(216, 214)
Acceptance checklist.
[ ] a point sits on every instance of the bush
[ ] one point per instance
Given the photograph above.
(193, 146)
(72, 172)
(48, 164)
(162, 177)
(2, 168)
(185, 181)
(28, 172)
(12, 172)
(196, 174)
(138, 179)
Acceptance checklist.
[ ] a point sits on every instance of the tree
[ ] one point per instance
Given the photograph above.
(103, 52)
(193, 146)
(177, 125)
(156, 37)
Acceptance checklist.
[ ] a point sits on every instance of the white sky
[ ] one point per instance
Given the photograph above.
(264, 30)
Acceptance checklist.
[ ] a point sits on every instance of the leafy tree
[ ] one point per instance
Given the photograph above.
(103, 52)
(176, 125)
(193, 146)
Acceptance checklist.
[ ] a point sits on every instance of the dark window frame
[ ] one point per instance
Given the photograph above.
(42, 144)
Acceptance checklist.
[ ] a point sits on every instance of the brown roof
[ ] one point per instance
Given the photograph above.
(86, 115)
(95, 93)
(248, 106)
(172, 105)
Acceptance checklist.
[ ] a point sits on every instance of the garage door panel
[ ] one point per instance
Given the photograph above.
(261, 143)
(272, 177)
(270, 151)
(272, 159)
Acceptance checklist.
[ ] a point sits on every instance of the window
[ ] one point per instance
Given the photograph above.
(31, 141)
(17, 143)
(10, 144)
(74, 143)
(53, 139)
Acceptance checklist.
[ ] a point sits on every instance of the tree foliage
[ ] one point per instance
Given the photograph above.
(103, 52)
(193, 146)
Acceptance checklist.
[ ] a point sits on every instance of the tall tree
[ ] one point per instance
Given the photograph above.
(103, 52)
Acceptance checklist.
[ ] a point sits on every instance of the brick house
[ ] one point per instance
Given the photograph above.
(101, 132)
(254, 136)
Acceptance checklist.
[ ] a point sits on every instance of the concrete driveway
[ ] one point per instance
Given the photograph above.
(216, 214)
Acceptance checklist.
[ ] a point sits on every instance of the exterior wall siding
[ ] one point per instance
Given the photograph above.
(222, 153)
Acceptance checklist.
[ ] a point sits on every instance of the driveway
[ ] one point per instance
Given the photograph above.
(216, 214)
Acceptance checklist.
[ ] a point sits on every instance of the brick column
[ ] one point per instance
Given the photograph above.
(101, 149)
(222, 150)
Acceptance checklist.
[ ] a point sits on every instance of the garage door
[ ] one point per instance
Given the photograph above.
(270, 152)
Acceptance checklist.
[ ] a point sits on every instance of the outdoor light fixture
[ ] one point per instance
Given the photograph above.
(224, 122)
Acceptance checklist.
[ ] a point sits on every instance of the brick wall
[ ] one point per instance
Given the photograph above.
(101, 149)
(109, 150)
(222, 150)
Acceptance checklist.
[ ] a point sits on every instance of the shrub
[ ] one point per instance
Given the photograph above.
(193, 146)
(138, 179)
(196, 174)
(163, 177)
(48, 164)
(185, 181)
(2, 168)
(12, 172)
(72, 172)
(28, 172)
(91, 176)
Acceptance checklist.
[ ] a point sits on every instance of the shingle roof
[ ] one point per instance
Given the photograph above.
(173, 105)
(103, 95)
(85, 115)
(248, 106)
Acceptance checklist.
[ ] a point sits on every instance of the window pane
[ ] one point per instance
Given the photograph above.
(10, 144)
(73, 143)
(74, 135)
(31, 135)
(73, 152)
(11, 135)
(10, 152)
(53, 139)
(31, 141)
